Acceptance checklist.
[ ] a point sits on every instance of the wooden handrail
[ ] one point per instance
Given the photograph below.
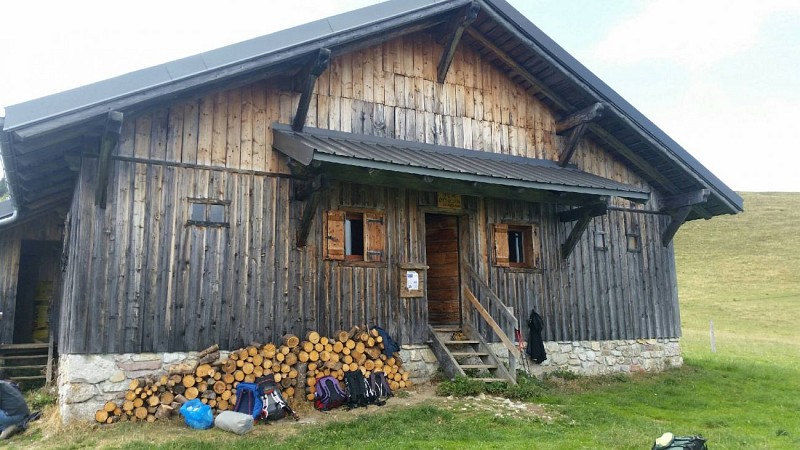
(512, 349)
(490, 292)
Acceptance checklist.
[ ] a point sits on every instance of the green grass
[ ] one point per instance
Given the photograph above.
(742, 272)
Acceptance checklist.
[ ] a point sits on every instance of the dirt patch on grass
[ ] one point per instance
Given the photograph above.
(48, 433)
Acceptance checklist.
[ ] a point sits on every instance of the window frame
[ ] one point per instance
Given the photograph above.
(207, 205)
(336, 237)
(531, 245)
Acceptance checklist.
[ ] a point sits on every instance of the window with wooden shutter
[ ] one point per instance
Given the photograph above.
(375, 238)
(517, 246)
(501, 244)
(355, 236)
(334, 235)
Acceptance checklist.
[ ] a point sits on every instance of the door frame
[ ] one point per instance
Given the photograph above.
(461, 218)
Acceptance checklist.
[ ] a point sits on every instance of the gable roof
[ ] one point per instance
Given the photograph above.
(46, 129)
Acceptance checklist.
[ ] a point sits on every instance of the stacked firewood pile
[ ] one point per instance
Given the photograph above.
(296, 364)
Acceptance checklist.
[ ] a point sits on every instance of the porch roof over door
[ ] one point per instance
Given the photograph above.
(418, 165)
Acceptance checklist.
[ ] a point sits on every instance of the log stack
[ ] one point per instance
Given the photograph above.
(296, 365)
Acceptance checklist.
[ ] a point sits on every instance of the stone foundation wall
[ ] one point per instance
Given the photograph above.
(86, 382)
(607, 357)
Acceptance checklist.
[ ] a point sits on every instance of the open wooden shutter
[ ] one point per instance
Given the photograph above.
(501, 244)
(536, 245)
(374, 237)
(334, 235)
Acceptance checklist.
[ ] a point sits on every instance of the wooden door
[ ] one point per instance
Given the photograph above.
(441, 252)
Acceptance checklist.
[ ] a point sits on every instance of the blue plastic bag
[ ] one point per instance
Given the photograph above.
(197, 414)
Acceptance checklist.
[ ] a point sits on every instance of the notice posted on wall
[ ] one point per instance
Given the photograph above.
(412, 280)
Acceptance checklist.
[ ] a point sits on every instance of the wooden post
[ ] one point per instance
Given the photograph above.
(711, 335)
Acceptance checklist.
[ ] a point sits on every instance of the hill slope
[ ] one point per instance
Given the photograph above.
(743, 272)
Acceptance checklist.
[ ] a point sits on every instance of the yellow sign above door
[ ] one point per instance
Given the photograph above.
(448, 201)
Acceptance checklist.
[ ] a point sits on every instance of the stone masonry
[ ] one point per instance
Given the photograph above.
(86, 382)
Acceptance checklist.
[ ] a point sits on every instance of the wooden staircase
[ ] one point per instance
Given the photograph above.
(470, 354)
(463, 352)
(25, 362)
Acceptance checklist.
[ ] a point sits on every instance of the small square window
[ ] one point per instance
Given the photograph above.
(517, 246)
(208, 213)
(600, 240)
(634, 243)
(633, 233)
(198, 212)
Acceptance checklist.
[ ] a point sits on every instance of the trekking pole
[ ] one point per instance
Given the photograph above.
(523, 355)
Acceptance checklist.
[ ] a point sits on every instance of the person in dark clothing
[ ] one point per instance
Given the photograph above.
(13, 409)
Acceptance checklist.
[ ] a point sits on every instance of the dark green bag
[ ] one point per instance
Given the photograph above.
(669, 442)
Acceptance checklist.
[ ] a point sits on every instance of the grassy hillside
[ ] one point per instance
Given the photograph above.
(743, 272)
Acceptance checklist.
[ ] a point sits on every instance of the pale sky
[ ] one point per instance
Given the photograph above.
(718, 76)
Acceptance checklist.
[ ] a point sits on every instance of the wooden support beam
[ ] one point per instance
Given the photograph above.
(316, 187)
(318, 65)
(108, 143)
(678, 217)
(583, 216)
(454, 38)
(686, 199)
(586, 115)
(519, 71)
(572, 144)
(577, 124)
(679, 207)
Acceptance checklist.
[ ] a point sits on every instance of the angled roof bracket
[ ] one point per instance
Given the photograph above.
(108, 143)
(577, 123)
(457, 29)
(678, 208)
(318, 65)
(582, 216)
(313, 192)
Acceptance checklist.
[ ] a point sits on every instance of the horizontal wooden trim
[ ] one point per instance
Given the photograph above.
(361, 263)
(512, 269)
(413, 266)
(198, 223)
(156, 162)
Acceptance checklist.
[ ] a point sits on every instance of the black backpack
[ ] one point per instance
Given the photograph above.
(380, 387)
(670, 442)
(359, 392)
(274, 407)
(328, 394)
(390, 347)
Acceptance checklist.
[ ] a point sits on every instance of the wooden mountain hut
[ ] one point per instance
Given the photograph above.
(437, 167)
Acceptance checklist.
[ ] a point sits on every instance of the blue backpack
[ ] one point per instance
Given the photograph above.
(390, 347)
(249, 399)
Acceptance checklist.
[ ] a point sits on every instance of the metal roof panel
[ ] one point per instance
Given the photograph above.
(452, 162)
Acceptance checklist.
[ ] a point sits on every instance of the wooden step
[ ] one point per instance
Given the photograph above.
(478, 354)
(465, 342)
(447, 329)
(478, 366)
(491, 380)
(37, 366)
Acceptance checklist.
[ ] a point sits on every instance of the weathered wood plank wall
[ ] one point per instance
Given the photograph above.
(149, 282)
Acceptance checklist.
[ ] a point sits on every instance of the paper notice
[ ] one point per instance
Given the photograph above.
(412, 280)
